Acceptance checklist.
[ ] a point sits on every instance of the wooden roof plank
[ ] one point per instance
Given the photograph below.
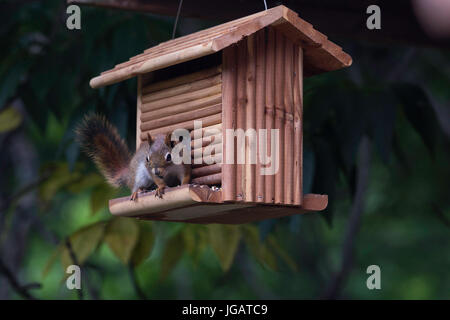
(202, 36)
(321, 55)
(152, 65)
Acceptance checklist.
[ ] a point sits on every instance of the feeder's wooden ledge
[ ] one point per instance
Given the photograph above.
(203, 204)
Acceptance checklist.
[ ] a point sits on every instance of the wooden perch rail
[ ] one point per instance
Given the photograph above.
(201, 204)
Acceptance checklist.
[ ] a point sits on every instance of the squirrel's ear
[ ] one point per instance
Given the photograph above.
(149, 138)
(168, 141)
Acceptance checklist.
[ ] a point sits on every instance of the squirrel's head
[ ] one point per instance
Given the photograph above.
(160, 153)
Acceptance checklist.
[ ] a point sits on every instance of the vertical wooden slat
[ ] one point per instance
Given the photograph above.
(250, 121)
(260, 108)
(269, 180)
(298, 126)
(288, 123)
(279, 114)
(138, 111)
(229, 71)
(240, 113)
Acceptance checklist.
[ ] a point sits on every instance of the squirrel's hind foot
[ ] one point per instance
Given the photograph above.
(134, 196)
(159, 192)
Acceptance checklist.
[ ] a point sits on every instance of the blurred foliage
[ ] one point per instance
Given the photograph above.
(405, 220)
(10, 119)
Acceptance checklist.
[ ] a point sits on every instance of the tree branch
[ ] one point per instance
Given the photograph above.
(22, 290)
(338, 281)
(22, 192)
(244, 264)
(140, 293)
(22, 163)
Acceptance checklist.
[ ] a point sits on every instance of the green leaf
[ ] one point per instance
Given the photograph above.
(51, 261)
(173, 251)
(60, 177)
(196, 239)
(350, 125)
(326, 172)
(190, 239)
(86, 181)
(83, 243)
(144, 244)
(121, 235)
(308, 169)
(267, 258)
(224, 240)
(10, 80)
(282, 253)
(382, 109)
(44, 78)
(10, 119)
(419, 112)
(72, 152)
(100, 197)
(259, 249)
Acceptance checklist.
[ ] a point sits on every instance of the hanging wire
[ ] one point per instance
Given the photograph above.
(178, 15)
(176, 19)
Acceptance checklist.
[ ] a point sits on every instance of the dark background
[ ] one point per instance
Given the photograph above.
(376, 141)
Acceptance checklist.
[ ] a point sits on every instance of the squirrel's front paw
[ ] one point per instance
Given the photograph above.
(134, 196)
(159, 192)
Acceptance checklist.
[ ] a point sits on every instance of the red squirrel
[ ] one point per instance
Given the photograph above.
(151, 164)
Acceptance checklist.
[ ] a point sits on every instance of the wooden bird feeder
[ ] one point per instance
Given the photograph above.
(244, 74)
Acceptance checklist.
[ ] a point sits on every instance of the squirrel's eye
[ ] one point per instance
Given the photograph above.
(168, 157)
(148, 159)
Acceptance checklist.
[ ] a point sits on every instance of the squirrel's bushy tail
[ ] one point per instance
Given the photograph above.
(102, 142)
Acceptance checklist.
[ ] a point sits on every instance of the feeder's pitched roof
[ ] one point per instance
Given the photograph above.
(320, 54)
